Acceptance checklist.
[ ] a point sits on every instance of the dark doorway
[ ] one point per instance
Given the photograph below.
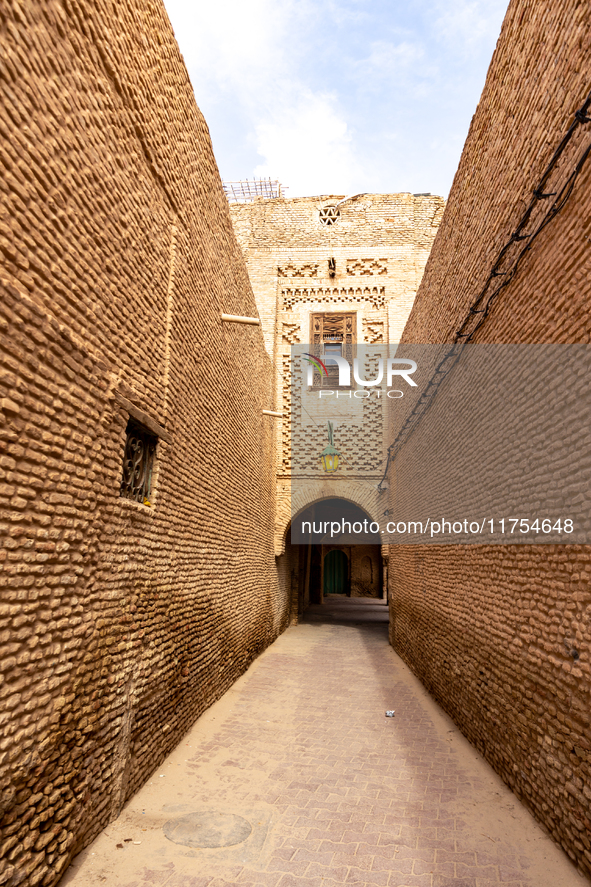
(321, 567)
(336, 573)
(319, 524)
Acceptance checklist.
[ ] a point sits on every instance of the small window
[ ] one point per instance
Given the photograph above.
(138, 463)
(329, 215)
(332, 335)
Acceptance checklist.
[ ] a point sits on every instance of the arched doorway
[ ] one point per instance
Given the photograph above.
(310, 571)
(336, 573)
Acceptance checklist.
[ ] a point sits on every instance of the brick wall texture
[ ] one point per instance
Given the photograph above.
(500, 634)
(379, 245)
(120, 622)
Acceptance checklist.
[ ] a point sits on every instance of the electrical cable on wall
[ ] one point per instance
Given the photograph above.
(482, 304)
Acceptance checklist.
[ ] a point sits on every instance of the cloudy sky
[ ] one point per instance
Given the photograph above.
(338, 96)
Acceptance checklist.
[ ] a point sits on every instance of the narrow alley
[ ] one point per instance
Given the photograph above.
(297, 777)
(226, 476)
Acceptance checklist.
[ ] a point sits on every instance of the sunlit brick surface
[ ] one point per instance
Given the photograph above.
(500, 635)
(120, 622)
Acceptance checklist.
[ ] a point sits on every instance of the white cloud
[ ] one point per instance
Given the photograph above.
(337, 95)
(308, 146)
(236, 45)
(466, 24)
(398, 66)
(249, 50)
(388, 58)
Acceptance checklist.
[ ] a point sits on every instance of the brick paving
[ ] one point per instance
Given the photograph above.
(336, 793)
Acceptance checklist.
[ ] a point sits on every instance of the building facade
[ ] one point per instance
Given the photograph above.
(338, 275)
(136, 464)
(500, 634)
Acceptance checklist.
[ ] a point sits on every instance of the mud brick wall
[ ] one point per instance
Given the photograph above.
(119, 622)
(500, 635)
(366, 571)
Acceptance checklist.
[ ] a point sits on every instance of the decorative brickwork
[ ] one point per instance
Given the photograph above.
(306, 270)
(292, 333)
(383, 237)
(375, 296)
(121, 621)
(491, 630)
(373, 330)
(367, 267)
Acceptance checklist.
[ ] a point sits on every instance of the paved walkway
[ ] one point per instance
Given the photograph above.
(300, 772)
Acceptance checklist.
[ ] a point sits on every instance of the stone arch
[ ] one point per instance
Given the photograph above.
(362, 494)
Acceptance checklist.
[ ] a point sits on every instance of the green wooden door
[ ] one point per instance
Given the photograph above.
(335, 572)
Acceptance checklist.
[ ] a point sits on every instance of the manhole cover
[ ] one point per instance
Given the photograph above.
(208, 830)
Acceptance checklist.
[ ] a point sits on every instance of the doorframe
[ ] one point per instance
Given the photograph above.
(346, 549)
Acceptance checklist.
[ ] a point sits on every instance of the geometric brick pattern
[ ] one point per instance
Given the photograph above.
(367, 266)
(374, 296)
(306, 270)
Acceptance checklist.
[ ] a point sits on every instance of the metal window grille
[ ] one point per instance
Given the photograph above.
(138, 463)
(329, 215)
